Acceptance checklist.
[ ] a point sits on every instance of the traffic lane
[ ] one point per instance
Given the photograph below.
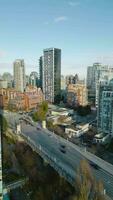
(70, 157)
(51, 147)
(106, 182)
(106, 178)
(64, 164)
(55, 144)
(69, 149)
(15, 116)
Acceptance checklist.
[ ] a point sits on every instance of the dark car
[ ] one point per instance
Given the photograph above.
(92, 164)
(63, 150)
(63, 146)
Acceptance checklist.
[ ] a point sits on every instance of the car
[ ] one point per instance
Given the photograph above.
(63, 150)
(63, 146)
(20, 112)
(95, 166)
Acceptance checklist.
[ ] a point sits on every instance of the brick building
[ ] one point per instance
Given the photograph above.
(21, 101)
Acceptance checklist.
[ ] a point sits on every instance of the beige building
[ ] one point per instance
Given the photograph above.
(76, 95)
(3, 84)
(19, 75)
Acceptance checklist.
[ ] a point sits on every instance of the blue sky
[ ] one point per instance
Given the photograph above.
(83, 29)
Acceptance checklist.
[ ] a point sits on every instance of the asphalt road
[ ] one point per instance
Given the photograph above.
(69, 160)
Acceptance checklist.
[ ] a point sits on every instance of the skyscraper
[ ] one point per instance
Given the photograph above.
(19, 75)
(9, 78)
(105, 107)
(34, 80)
(52, 74)
(41, 72)
(1, 185)
(72, 79)
(96, 74)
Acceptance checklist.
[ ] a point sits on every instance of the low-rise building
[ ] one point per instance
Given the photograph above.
(102, 138)
(21, 101)
(58, 111)
(77, 130)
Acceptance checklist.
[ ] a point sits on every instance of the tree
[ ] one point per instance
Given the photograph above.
(84, 110)
(57, 98)
(87, 188)
(50, 125)
(44, 106)
(3, 123)
(40, 114)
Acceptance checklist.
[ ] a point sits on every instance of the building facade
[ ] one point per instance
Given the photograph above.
(9, 78)
(1, 182)
(76, 95)
(72, 79)
(19, 75)
(105, 107)
(34, 79)
(52, 74)
(3, 84)
(41, 72)
(63, 82)
(95, 74)
(14, 100)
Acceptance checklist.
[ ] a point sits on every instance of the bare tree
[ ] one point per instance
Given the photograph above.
(87, 188)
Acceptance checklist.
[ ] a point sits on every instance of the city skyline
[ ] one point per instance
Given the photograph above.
(31, 27)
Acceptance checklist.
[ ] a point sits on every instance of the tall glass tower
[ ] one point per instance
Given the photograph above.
(52, 74)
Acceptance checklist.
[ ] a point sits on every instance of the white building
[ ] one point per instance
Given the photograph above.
(77, 131)
(3, 84)
(19, 75)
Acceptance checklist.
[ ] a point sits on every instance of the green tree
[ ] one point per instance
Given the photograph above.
(40, 114)
(44, 106)
(3, 123)
(50, 125)
(84, 110)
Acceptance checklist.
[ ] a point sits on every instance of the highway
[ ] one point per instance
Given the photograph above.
(69, 161)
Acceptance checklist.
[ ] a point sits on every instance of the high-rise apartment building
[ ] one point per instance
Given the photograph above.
(41, 72)
(9, 78)
(3, 84)
(1, 185)
(63, 83)
(71, 79)
(92, 78)
(95, 74)
(19, 75)
(52, 74)
(34, 79)
(105, 107)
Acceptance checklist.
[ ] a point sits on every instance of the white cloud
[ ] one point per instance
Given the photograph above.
(60, 19)
(73, 3)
